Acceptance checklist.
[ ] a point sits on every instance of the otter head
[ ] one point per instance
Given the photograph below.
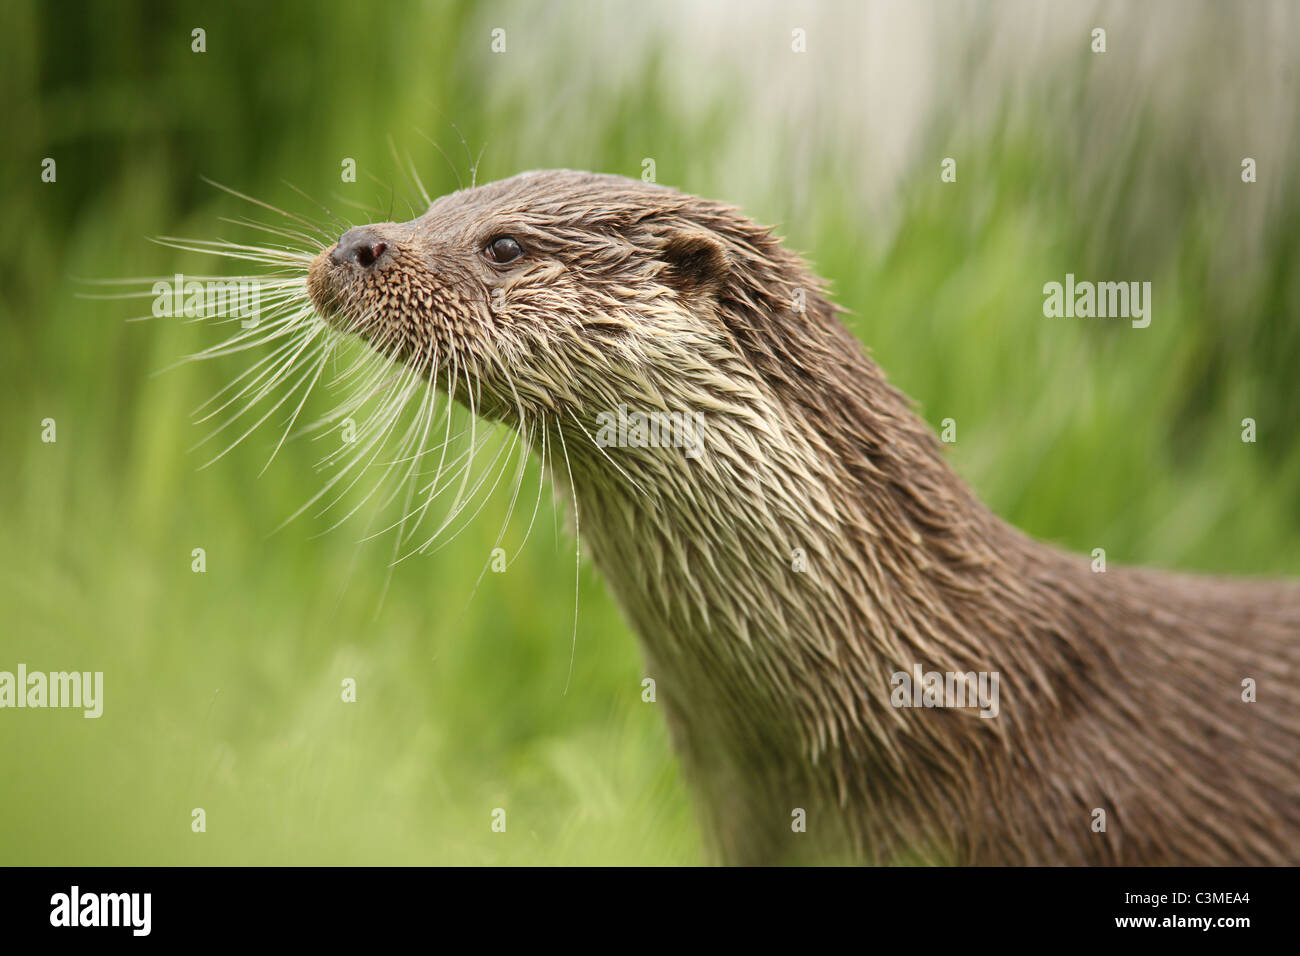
(551, 293)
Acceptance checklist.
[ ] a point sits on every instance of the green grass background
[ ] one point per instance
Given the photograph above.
(222, 689)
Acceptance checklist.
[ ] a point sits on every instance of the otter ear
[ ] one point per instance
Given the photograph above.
(696, 262)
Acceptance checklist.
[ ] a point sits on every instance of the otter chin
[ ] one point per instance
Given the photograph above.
(817, 545)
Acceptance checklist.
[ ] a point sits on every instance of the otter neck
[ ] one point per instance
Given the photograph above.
(817, 545)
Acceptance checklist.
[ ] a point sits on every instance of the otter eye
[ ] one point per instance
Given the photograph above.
(503, 249)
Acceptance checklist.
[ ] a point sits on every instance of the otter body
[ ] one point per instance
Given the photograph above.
(819, 544)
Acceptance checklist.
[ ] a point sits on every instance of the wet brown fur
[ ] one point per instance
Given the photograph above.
(1120, 691)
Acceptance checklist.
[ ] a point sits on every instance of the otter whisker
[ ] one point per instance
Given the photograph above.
(395, 391)
(453, 382)
(420, 454)
(267, 367)
(473, 178)
(383, 374)
(383, 419)
(339, 221)
(387, 416)
(371, 211)
(379, 483)
(521, 419)
(366, 379)
(431, 394)
(288, 320)
(632, 481)
(416, 435)
(473, 494)
(446, 440)
(469, 466)
(284, 318)
(462, 500)
(537, 503)
(525, 449)
(278, 295)
(375, 439)
(577, 556)
(465, 145)
(387, 213)
(251, 429)
(450, 164)
(525, 443)
(307, 241)
(555, 498)
(455, 468)
(433, 493)
(392, 558)
(290, 323)
(415, 176)
(320, 367)
(523, 458)
(277, 365)
(382, 383)
(520, 424)
(266, 255)
(314, 227)
(408, 169)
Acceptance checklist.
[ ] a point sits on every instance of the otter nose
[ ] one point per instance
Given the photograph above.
(360, 244)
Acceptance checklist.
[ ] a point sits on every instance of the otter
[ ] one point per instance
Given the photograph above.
(819, 545)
